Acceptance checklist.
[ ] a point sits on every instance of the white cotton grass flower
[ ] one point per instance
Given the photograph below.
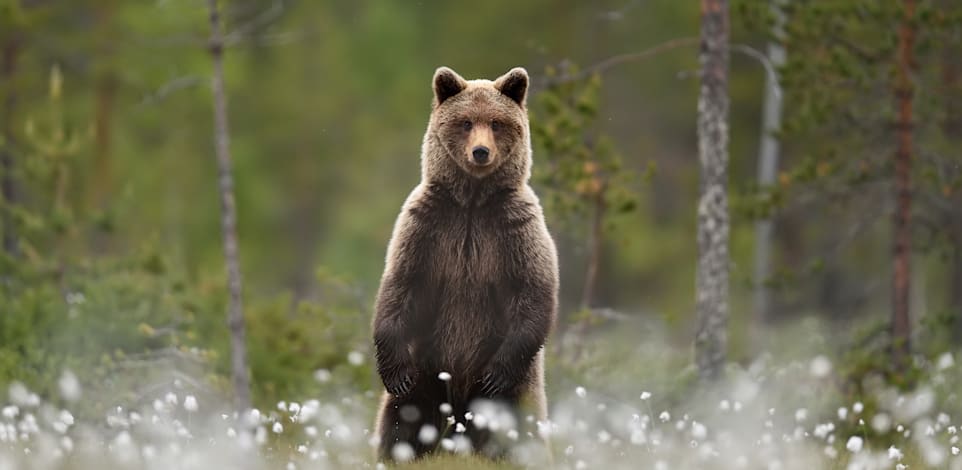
(820, 367)
(446, 408)
(881, 423)
(895, 453)
(822, 431)
(664, 416)
(945, 361)
(428, 434)
(402, 452)
(955, 450)
(322, 375)
(854, 444)
(190, 403)
(444, 376)
(22, 396)
(254, 416)
(355, 358)
(69, 386)
(858, 407)
(447, 444)
(277, 427)
(645, 395)
(580, 391)
(10, 411)
(698, 430)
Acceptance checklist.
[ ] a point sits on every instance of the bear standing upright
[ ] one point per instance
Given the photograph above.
(470, 285)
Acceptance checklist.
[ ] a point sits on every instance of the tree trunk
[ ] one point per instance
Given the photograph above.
(902, 235)
(952, 130)
(579, 327)
(105, 92)
(595, 244)
(711, 279)
(768, 153)
(235, 312)
(8, 182)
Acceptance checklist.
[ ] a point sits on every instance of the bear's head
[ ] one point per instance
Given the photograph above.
(481, 125)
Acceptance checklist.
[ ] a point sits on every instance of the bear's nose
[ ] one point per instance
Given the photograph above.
(480, 154)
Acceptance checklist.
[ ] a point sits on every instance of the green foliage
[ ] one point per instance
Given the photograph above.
(582, 170)
(297, 349)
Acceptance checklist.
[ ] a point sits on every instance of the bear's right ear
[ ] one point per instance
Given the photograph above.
(447, 83)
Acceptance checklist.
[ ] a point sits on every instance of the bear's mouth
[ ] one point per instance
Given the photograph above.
(476, 164)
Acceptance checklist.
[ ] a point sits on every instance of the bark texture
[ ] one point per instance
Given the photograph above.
(235, 312)
(711, 289)
(902, 236)
(768, 154)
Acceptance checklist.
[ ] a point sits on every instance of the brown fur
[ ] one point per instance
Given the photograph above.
(470, 281)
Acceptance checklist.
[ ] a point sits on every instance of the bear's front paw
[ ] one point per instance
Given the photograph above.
(399, 380)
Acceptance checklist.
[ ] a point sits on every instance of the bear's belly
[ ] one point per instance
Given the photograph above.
(467, 331)
(469, 296)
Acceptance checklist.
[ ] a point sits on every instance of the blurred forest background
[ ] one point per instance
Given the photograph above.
(113, 268)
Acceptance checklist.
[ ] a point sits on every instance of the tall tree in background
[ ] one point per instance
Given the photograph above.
(8, 190)
(711, 277)
(768, 153)
(902, 236)
(952, 133)
(105, 91)
(235, 311)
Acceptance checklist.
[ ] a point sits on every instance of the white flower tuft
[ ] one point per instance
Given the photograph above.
(190, 403)
(854, 444)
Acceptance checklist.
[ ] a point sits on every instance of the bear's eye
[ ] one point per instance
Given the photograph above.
(495, 126)
(466, 125)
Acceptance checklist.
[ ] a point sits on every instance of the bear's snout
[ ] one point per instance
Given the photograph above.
(481, 155)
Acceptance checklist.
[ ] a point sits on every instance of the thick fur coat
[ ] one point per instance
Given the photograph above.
(470, 282)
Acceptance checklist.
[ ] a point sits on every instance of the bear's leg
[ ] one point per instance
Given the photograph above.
(493, 444)
(400, 421)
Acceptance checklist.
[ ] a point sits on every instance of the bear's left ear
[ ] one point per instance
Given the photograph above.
(514, 84)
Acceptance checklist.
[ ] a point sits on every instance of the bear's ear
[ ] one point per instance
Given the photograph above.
(514, 84)
(447, 83)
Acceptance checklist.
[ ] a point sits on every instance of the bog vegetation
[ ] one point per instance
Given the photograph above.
(756, 205)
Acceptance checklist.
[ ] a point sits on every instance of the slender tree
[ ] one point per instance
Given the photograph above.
(8, 189)
(768, 155)
(902, 236)
(105, 94)
(952, 131)
(235, 311)
(711, 284)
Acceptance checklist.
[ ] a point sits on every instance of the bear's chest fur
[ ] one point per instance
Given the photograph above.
(468, 283)
(469, 250)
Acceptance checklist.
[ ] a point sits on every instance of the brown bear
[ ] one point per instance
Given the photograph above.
(470, 284)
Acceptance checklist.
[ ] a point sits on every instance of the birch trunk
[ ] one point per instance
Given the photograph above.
(711, 279)
(768, 155)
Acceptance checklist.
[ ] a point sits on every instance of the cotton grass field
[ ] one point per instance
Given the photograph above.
(770, 414)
